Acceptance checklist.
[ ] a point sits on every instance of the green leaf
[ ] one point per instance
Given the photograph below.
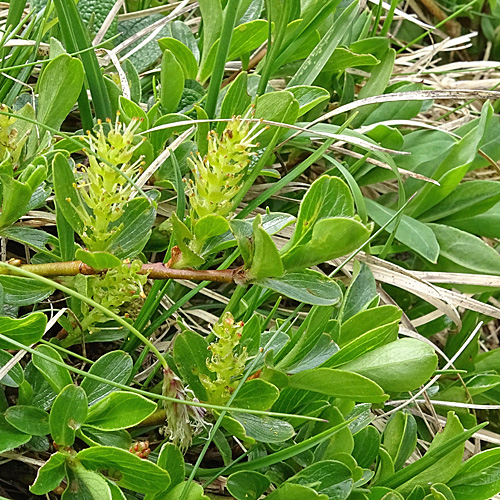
(137, 221)
(50, 475)
(236, 100)
(119, 410)
(194, 492)
(400, 438)
(138, 475)
(28, 419)
(400, 366)
(183, 238)
(304, 344)
(479, 477)
(23, 291)
(264, 429)
(97, 437)
(442, 492)
(85, 484)
(289, 491)
(412, 233)
(190, 356)
(317, 59)
(15, 376)
(452, 170)
(211, 13)
(466, 200)
(17, 194)
(464, 252)
(76, 38)
(365, 343)
(366, 446)
(10, 437)
(361, 294)
(209, 226)
(246, 37)
(115, 366)
(367, 320)
(130, 110)
(98, 260)
(58, 88)
(35, 390)
(172, 81)
(28, 330)
(308, 97)
(327, 197)
(182, 54)
(171, 459)
(256, 394)
(443, 469)
(344, 58)
(57, 376)
(329, 477)
(338, 384)
(266, 260)
(68, 413)
(375, 85)
(247, 485)
(68, 200)
(331, 238)
(307, 286)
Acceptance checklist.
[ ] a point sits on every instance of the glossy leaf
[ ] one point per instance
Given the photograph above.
(465, 252)
(50, 475)
(307, 286)
(115, 366)
(20, 291)
(339, 384)
(10, 437)
(329, 477)
(289, 491)
(411, 232)
(190, 356)
(247, 485)
(138, 475)
(28, 419)
(400, 438)
(85, 485)
(27, 330)
(182, 54)
(172, 82)
(266, 260)
(119, 410)
(58, 88)
(68, 413)
(400, 366)
(331, 238)
(479, 477)
(57, 376)
(256, 394)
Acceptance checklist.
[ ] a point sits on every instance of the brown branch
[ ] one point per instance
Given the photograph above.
(156, 271)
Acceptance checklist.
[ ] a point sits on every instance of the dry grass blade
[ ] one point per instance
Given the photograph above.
(121, 74)
(107, 22)
(403, 172)
(417, 95)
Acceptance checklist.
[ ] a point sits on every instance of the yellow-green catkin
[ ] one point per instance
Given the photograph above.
(104, 187)
(227, 361)
(11, 143)
(218, 176)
